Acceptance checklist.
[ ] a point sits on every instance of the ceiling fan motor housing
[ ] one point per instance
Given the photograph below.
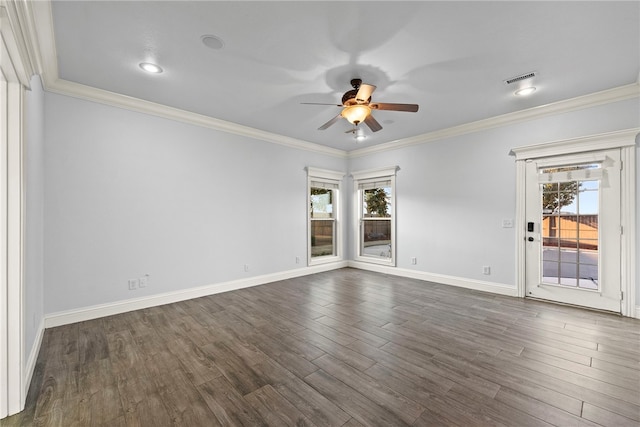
(349, 96)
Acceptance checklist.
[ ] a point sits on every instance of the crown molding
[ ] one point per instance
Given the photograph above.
(41, 28)
(581, 102)
(20, 51)
(77, 90)
(42, 20)
(43, 35)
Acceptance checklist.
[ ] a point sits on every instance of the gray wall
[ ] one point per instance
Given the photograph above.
(453, 194)
(34, 213)
(130, 194)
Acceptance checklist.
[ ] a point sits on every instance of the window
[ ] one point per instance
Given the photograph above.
(375, 210)
(325, 236)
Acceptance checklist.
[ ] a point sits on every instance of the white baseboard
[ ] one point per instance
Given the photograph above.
(462, 282)
(30, 367)
(637, 313)
(103, 310)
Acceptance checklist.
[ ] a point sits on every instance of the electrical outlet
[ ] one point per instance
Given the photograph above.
(133, 284)
(246, 267)
(486, 270)
(297, 260)
(414, 261)
(144, 281)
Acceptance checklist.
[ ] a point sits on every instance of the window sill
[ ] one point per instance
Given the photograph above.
(323, 260)
(391, 262)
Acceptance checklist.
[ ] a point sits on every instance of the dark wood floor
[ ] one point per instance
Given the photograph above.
(343, 348)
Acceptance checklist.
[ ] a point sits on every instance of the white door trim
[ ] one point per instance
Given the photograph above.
(628, 193)
(625, 140)
(17, 66)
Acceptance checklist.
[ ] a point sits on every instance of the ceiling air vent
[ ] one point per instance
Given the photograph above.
(520, 78)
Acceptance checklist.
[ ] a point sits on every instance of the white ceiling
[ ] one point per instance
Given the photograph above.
(449, 57)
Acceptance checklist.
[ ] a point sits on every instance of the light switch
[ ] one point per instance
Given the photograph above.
(507, 223)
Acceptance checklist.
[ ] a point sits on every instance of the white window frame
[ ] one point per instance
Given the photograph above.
(331, 178)
(380, 174)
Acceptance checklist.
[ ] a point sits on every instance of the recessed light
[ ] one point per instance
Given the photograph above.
(525, 91)
(212, 42)
(150, 68)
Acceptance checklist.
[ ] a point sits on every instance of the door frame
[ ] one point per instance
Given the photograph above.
(625, 140)
(17, 65)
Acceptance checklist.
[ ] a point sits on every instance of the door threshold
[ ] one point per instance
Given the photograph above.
(598, 310)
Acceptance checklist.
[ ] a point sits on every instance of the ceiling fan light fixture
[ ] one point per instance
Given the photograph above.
(151, 68)
(356, 114)
(525, 91)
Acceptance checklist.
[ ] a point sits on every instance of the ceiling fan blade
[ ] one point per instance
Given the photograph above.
(412, 108)
(319, 103)
(364, 92)
(372, 123)
(330, 122)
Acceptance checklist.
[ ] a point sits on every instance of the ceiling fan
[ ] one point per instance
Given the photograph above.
(357, 106)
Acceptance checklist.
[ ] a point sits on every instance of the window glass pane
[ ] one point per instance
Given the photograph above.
(321, 203)
(568, 274)
(589, 185)
(550, 271)
(322, 237)
(568, 202)
(588, 198)
(588, 256)
(376, 238)
(588, 276)
(549, 226)
(570, 231)
(568, 226)
(589, 245)
(588, 228)
(551, 243)
(569, 255)
(376, 202)
(550, 253)
(552, 187)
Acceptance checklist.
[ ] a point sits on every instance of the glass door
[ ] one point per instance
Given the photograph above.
(573, 229)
